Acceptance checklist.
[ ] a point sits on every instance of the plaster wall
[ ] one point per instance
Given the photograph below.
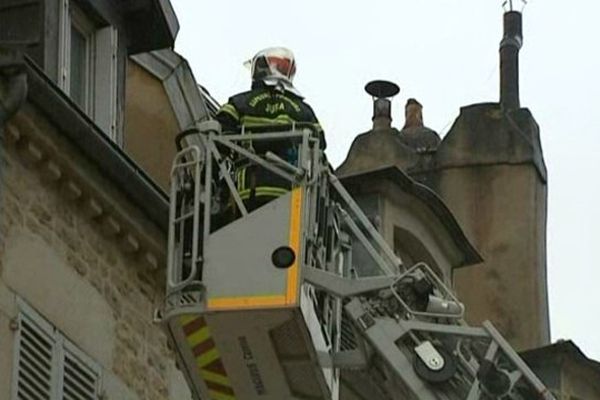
(54, 258)
(150, 124)
(502, 209)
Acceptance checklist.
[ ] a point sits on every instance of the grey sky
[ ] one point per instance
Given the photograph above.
(445, 54)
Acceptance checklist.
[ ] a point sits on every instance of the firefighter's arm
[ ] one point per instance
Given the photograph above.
(229, 119)
(320, 135)
(318, 129)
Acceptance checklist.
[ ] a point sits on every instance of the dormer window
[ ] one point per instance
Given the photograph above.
(88, 65)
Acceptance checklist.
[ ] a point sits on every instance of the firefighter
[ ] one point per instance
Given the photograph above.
(272, 104)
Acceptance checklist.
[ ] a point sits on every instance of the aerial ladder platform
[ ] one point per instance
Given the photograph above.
(268, 304)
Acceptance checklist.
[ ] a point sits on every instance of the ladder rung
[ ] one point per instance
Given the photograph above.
(184, 216)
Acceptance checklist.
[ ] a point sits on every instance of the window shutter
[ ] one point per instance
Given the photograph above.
(105, 89)
(80, 376)
(48, 366)
(64, 46)
(34, 362)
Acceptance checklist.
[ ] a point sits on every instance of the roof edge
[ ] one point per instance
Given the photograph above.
(433, 201)
(567, 347)
(190, 101)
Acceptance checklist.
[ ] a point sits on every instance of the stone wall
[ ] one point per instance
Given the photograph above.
(54, 256)
(490, 171)
(502, 208)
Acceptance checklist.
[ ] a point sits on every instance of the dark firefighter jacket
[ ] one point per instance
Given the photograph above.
(263, 109)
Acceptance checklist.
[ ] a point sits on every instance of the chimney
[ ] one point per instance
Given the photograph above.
(509, 60)
(382, 92)
(413, 113)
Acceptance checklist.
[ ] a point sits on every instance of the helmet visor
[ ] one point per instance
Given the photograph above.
(281, 66)
(273, 63)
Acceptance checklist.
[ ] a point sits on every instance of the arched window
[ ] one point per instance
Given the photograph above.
(411, 250)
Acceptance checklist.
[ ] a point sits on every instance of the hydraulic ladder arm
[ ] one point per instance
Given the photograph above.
(268, 306)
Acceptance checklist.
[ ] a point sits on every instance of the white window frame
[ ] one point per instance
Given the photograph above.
(61, 348)
(101, 53)
(87, 29)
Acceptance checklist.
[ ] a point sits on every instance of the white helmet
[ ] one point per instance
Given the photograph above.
(274, 66)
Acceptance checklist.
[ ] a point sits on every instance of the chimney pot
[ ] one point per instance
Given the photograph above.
(510, 45)
(382, 91)
(413, 113)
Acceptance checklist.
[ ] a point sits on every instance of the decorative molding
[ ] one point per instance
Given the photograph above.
(51, 172)
(41, 148)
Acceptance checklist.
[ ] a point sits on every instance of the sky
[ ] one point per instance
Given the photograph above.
(445, 54)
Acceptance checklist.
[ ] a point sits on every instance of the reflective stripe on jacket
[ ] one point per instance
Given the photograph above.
(265, 107)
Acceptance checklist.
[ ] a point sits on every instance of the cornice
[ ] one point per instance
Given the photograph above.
(42, 148)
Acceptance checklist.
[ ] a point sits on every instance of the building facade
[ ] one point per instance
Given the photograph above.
(82, 226)
(80, 272)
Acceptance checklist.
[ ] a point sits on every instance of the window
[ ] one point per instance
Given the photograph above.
(88, 65)
(47, 366)
(81, 51)
(412, 250)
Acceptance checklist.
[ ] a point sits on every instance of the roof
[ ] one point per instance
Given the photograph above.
(150, 24)
(430, 199)
(561, 348)
(487, 134)
(420, 138)
(375, 149)
(190, 101)
(144, 25)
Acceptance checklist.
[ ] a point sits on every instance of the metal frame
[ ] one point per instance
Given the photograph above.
(445, 292)
(383, 322)
(189, 158)
(197, 162)
(386, 336)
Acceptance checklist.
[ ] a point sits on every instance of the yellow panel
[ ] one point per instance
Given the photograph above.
(294, 243)
(291, 294)
(245, 302)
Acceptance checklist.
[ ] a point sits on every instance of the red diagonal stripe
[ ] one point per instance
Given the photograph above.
(217, 387)
(194, 326)
(216, 367)
(203, 347)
